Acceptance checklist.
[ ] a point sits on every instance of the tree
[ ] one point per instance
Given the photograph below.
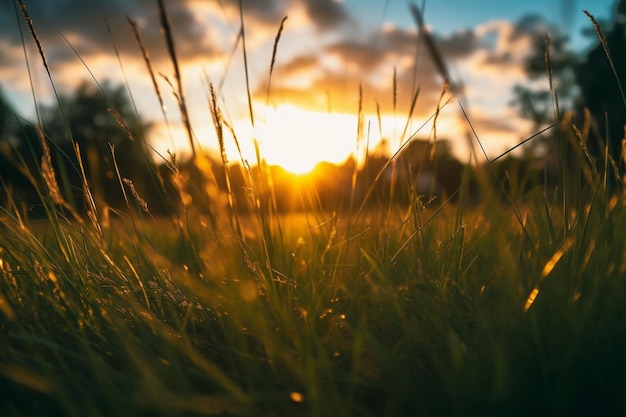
(14, 132)
(600, 92)
(7, 125)
(582, 84)
(552, 61)
(109, 136)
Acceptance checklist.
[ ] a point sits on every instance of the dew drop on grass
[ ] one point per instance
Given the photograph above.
(326, 312)
(296, 397)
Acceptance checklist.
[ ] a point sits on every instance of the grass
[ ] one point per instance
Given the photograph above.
(514, 306)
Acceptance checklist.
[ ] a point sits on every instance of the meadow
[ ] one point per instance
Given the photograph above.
(503, 300)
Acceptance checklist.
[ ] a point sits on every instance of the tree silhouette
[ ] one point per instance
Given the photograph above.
(582, 84)
(16, 157)
(550, 59)
(7, 122)
(100, 126)
(600, 92)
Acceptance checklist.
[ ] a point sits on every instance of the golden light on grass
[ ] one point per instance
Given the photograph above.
(547, 269)
(296, 397)
(556, 257)
(531, 299)
(26, 377)
(6, 310)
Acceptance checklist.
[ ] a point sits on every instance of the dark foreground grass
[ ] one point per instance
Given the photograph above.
(132, 323)
(503, 309)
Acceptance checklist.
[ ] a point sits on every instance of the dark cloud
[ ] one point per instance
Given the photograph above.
(369, 54)
(300, 65)
(84, 24)
(267, 11)
(530, 25)
(458, 45)
(357, 54)
(326, 13)
(499, 59)
(95, 27)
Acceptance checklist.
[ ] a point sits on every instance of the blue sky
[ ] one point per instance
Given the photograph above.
(329, 49)
(449, 16)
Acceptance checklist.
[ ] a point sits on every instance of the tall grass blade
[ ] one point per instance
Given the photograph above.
(146, 59)
(184, 113)
(607, 52)
(273, 61)
(242, 32)
(436, 56)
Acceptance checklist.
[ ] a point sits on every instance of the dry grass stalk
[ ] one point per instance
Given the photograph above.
(430, 44)
(274, 50)
(47, 172)
(245, 67)
(146, 58)
(119, 121)
(605, 46)
(31, 27)
(167, 31)
(178, 179)
(142, 203)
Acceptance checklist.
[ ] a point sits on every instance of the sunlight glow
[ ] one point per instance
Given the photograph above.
(298, 139)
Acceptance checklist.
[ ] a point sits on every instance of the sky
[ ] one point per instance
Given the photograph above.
(336, 60)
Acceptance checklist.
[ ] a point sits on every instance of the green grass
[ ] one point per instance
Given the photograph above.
(135, 324)
(394, 311)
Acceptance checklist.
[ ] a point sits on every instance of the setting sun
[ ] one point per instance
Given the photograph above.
(298, 139)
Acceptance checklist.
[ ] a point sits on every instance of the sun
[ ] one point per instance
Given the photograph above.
(298, 139)
(288, 136)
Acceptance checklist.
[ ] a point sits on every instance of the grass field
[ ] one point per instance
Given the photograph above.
(506, 307)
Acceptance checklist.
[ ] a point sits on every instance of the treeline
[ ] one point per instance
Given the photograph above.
(83, 149)
(92, 149)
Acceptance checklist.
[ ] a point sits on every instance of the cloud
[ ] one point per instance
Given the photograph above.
(203, 32)
(323, 14)
(326, 13)
(507, 44)
(529, 25)
(482, 122)
(339, 68)
(458, 45)
(87, 25)
(261, 11)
